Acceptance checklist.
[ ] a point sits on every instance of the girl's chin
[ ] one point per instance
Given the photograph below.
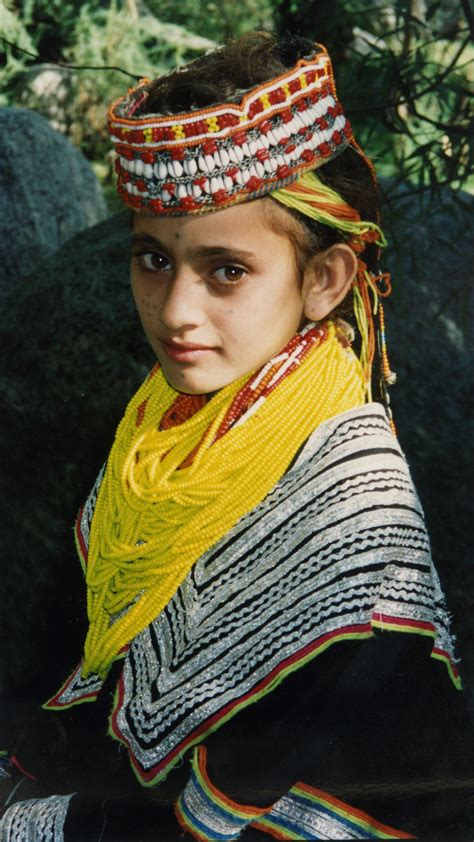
(206, 375)
(193, 383)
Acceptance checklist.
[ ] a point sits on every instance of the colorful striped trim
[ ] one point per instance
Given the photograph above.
(303, 813)
(76, 690)
(205, 812)
(56, 702)
(400, 624)
(150, 777)
(309, 813)
(178, 130)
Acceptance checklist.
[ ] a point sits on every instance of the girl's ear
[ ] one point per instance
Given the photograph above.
(327, 279)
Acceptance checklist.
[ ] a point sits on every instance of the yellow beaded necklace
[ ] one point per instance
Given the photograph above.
(156, 513)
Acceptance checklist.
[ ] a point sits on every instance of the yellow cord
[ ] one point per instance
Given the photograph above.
(312, 198)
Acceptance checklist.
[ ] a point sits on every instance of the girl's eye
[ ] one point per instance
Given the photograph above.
(229, 274)
(152, 261)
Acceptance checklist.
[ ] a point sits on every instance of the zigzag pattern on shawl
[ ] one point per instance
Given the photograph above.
(340, 541)
(338, 545)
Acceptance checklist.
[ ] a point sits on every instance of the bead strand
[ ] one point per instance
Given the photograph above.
(154, 517)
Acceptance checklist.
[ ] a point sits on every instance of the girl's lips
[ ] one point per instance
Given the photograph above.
(184, 353)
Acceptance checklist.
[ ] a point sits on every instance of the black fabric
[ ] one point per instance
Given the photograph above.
(376, 723)
(121, 819)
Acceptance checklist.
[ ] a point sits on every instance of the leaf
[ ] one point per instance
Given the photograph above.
(432, 9)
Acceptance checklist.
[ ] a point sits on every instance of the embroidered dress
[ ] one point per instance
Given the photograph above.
(260, 590)
(334, 561)
(335, 551)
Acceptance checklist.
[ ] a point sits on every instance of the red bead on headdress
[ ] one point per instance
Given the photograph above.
(217, 156)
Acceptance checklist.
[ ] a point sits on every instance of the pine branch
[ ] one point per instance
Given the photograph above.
(453, 128)
(418, 94)
(42, 60)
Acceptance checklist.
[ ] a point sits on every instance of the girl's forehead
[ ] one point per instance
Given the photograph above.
(247, 222)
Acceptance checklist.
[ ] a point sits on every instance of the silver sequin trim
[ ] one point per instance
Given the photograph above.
(78, 688)
(339, 540)
(35, 820)
(207, 814)
(312, 823)
(88, 510)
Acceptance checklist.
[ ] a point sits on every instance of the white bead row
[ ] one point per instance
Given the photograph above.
(207, 163)
(215, 183)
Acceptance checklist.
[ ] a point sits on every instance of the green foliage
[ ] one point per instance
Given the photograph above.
(219, 21)
(51, 24)
(143, 46)
(13, 29)
(403, 71)
(92, 37)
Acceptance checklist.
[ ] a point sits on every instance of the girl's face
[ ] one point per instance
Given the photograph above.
(218, 295)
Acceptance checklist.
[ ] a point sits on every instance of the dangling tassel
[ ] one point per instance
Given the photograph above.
(367, 286)
(387, 376)
(364, 311)
(365, 325)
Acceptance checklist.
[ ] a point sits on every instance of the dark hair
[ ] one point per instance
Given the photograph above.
(224, 75)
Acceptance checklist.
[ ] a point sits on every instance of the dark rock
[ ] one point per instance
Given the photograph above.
(430, 339)
(73, 354)
(48, 192)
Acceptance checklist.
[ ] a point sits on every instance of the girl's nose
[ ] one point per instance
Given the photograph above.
(183, 304)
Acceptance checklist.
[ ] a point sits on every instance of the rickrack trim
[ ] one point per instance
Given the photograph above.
(152, 776)
(36, 820)
(224, 154)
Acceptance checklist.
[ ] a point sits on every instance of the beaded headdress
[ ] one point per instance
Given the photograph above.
(272, 141)
(171, 490)
(217, 156)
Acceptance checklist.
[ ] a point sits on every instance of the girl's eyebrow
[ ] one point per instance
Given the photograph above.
(146, 240)
(199, 252)
(222, 251)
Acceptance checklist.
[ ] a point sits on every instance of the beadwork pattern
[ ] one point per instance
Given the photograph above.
(168, 495)
(216, 156)
(336, 550)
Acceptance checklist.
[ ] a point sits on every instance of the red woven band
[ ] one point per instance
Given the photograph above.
(205, 160)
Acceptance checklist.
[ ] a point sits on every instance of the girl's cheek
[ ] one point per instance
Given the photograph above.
(144, 299)
(146, 305)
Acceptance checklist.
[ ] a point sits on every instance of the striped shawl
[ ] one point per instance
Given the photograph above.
(338, 548)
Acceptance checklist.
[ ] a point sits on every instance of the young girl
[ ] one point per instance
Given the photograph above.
(259, 583)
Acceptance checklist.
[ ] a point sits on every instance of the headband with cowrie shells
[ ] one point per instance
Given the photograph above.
(217, 156)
